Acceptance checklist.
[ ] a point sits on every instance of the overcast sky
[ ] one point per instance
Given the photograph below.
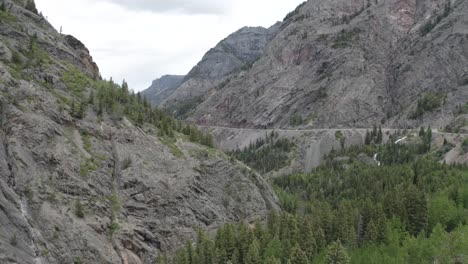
(140, 40)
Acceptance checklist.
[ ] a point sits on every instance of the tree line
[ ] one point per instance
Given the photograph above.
(107, 97)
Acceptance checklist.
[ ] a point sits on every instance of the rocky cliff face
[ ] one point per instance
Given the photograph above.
(162, 88)
(337, 63)
(97, 189)
(238, 51)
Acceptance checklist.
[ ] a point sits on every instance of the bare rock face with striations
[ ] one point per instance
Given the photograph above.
(162, 88)
(337, 63)
(97, 189)
(233, 54)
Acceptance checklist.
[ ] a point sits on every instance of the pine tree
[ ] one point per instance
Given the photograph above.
(298, 256)
(337, 254)
(229, 242)
(320, 239)
(272, 260)
(374, 133)
(307, 240)
(371, 234)
(428, 138)
(180, 257)
(273, 249)
(124, 92)
(368, 139)
(379, 139)
(91, 97)
(162, 259)
(422, 132)
(82, 110)
(235, 257)
(189, 251)
(417, 211)
(253, 255)
(73, 110)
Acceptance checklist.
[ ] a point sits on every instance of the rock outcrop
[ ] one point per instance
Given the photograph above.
(97, 189)
(162, 88)
(339, 63)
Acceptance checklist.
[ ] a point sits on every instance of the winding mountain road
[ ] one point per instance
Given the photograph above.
(315, 130)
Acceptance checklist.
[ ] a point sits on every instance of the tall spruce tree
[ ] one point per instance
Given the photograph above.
(337, 254)
(298, 256)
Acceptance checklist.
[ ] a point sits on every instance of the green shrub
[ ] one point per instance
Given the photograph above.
(87, 142)
(114, 201)
(171, 144)
(6, 17)
(16, 59)
(87, 167)
(339, 134)
(465, 145)
(296, 120)
(345, 38)
(428, 103)
(79, 210)
(114, 226)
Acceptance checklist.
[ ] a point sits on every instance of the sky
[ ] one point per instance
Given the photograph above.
(141, 40)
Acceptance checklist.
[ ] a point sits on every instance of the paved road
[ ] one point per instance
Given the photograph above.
(435, 131)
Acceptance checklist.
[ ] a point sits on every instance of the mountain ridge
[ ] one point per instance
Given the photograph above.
(89, 172)
(378, 60)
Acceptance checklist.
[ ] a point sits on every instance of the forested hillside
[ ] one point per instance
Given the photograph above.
(410, 209)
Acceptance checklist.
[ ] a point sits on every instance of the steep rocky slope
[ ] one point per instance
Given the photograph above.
(97, 189)
(162, 88)
(238, 51)
(341, 63)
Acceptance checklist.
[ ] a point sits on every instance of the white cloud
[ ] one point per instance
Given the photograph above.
(187, 6)
(142, 40)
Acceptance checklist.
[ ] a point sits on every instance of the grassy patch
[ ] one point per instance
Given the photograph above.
(311, 118)
(171, 144)
(88, 166)
(76, 81)
(7, 18)
(200, 153)
(36, 55)
(87, 142)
